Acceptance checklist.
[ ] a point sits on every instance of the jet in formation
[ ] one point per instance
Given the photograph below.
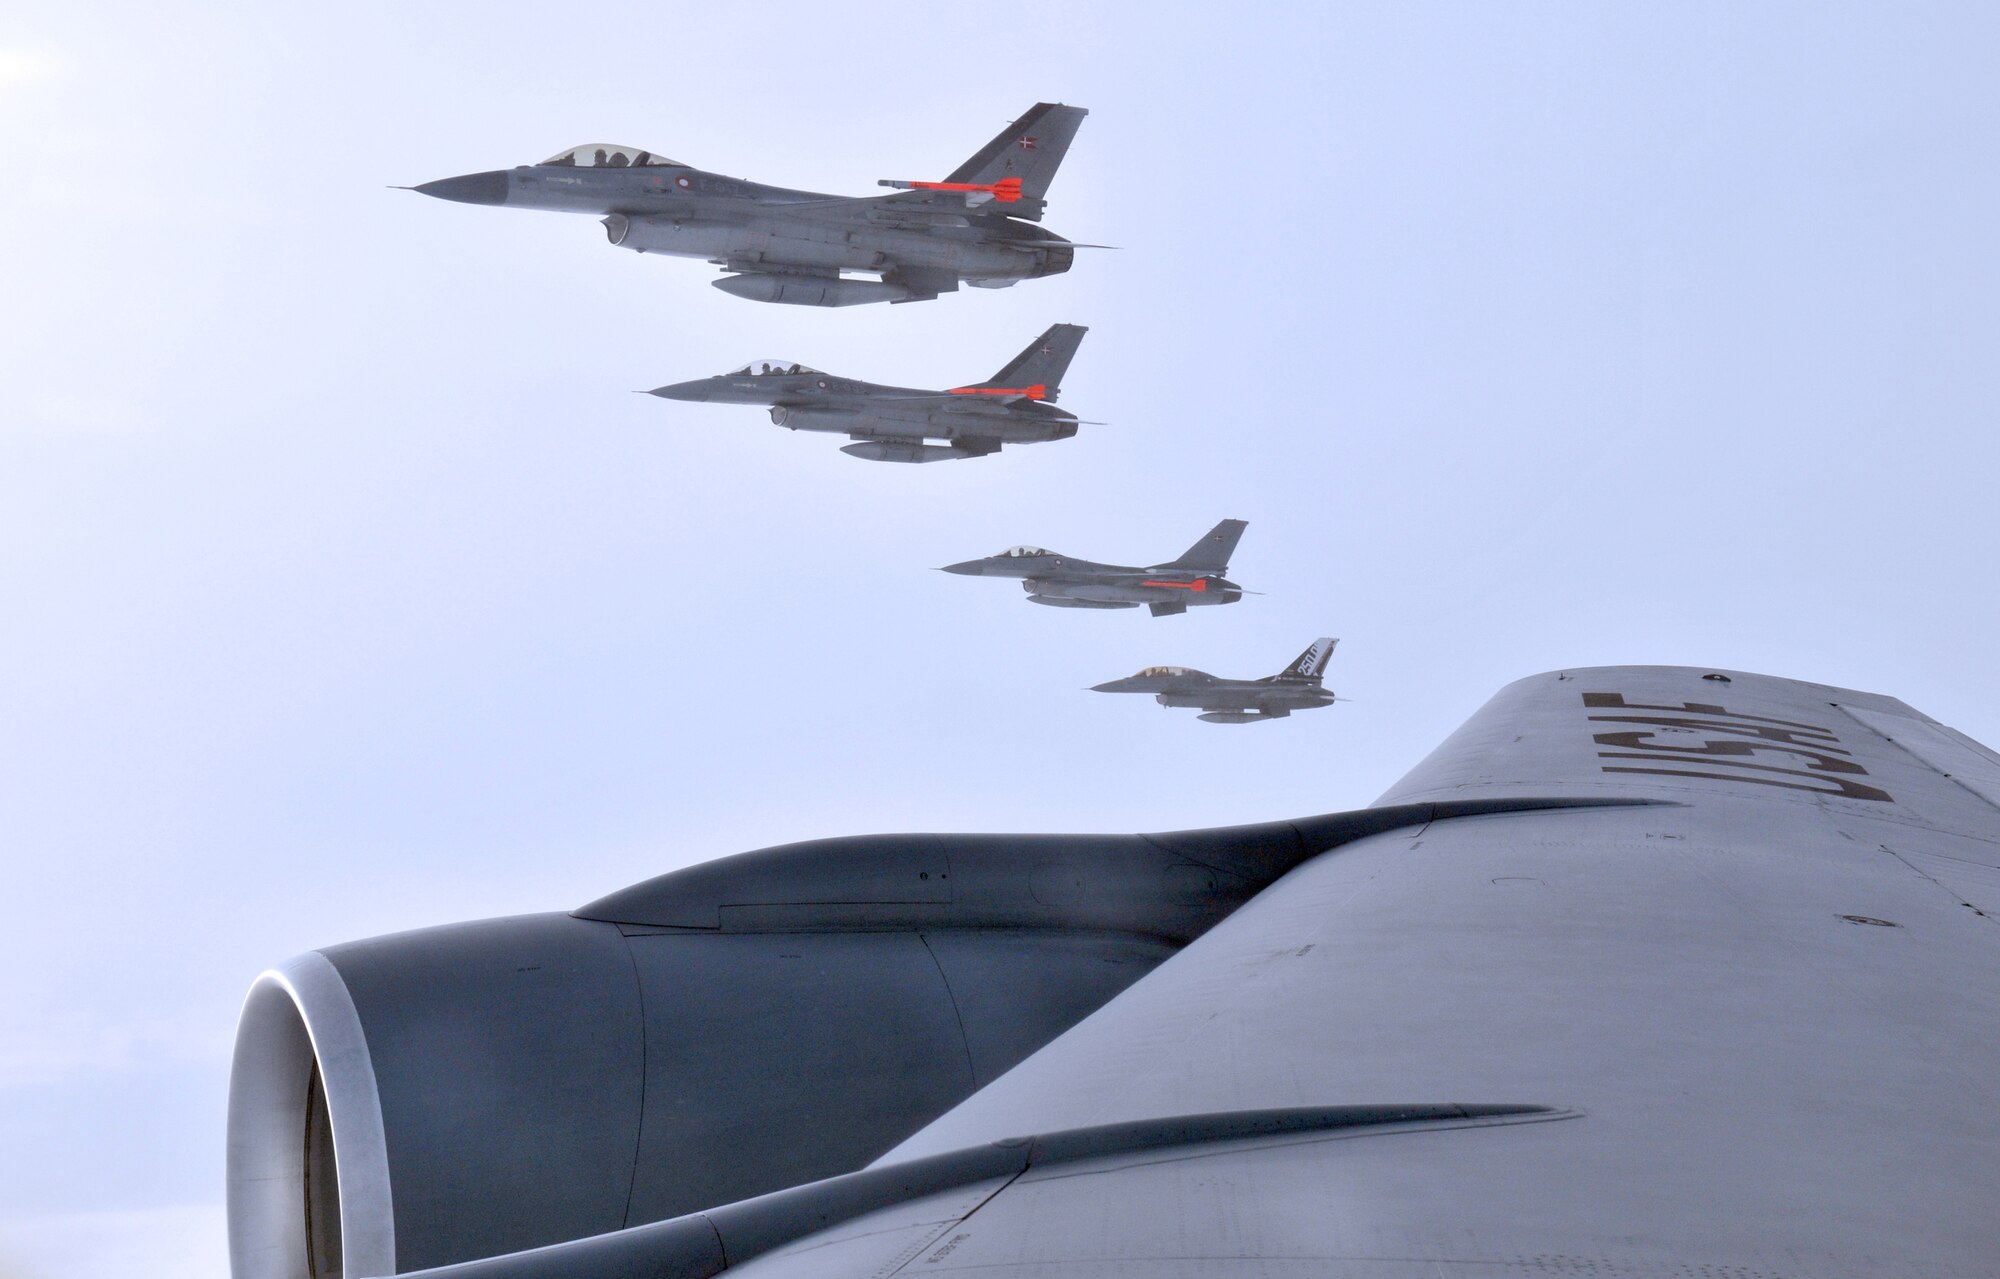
(1198, 577)
(896, 423)
(976, 227)
(1236, 701)
(1644, 971)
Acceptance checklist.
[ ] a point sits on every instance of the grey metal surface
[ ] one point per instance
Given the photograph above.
(789, 246)
(1737, 956)
(1014, 990)
(745, 1025)
(1780, 1035)
(508, 1055)
(777, 1059)
(300, 1032)
(704, 1244)
(546, 1077)
(1171, 886)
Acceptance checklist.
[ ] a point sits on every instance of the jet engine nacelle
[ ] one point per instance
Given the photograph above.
(704, 1037)
(714, 1034)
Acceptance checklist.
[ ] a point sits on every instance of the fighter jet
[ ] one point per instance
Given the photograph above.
(1059, 581)
(1236, 701)
(892, 423)
(780, 245)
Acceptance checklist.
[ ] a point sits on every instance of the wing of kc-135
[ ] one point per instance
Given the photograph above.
(1644, 972)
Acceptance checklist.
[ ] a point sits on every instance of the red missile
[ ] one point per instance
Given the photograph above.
(1198, 584)
(1006, 190)
(1039, 391)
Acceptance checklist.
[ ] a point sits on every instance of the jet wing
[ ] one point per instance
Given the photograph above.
(1744, 1029)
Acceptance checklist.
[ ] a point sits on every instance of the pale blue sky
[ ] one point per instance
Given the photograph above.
(347, 587)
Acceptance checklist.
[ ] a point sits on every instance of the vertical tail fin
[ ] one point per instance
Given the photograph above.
(1042, 365)
(1311, 664)
(1029, 149)
(1211, 554)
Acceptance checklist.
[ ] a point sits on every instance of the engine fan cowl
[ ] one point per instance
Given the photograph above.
(460, 1091)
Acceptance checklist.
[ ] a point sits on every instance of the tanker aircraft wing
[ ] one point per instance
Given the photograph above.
(977, 226)
(1645, 971)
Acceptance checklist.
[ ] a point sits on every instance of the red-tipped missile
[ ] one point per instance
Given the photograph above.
(1039, 391)
(1006, 190)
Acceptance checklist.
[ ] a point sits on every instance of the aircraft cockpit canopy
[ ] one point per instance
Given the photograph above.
(1163, 670)
(1022, 552)
(770, 368)
(604, 155)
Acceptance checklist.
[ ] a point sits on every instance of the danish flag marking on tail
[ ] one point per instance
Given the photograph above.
(1027, 144)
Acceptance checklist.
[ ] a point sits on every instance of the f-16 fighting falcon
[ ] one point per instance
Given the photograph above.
(780, 245)
(1236, 701)
(1060, 581)
(893, 423)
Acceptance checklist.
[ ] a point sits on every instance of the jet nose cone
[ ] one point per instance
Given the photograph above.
(693, 392)
(473, 188)
(968, 568)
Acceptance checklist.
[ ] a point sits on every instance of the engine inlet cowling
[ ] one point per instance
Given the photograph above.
(434, 1096)
(303, 1202)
